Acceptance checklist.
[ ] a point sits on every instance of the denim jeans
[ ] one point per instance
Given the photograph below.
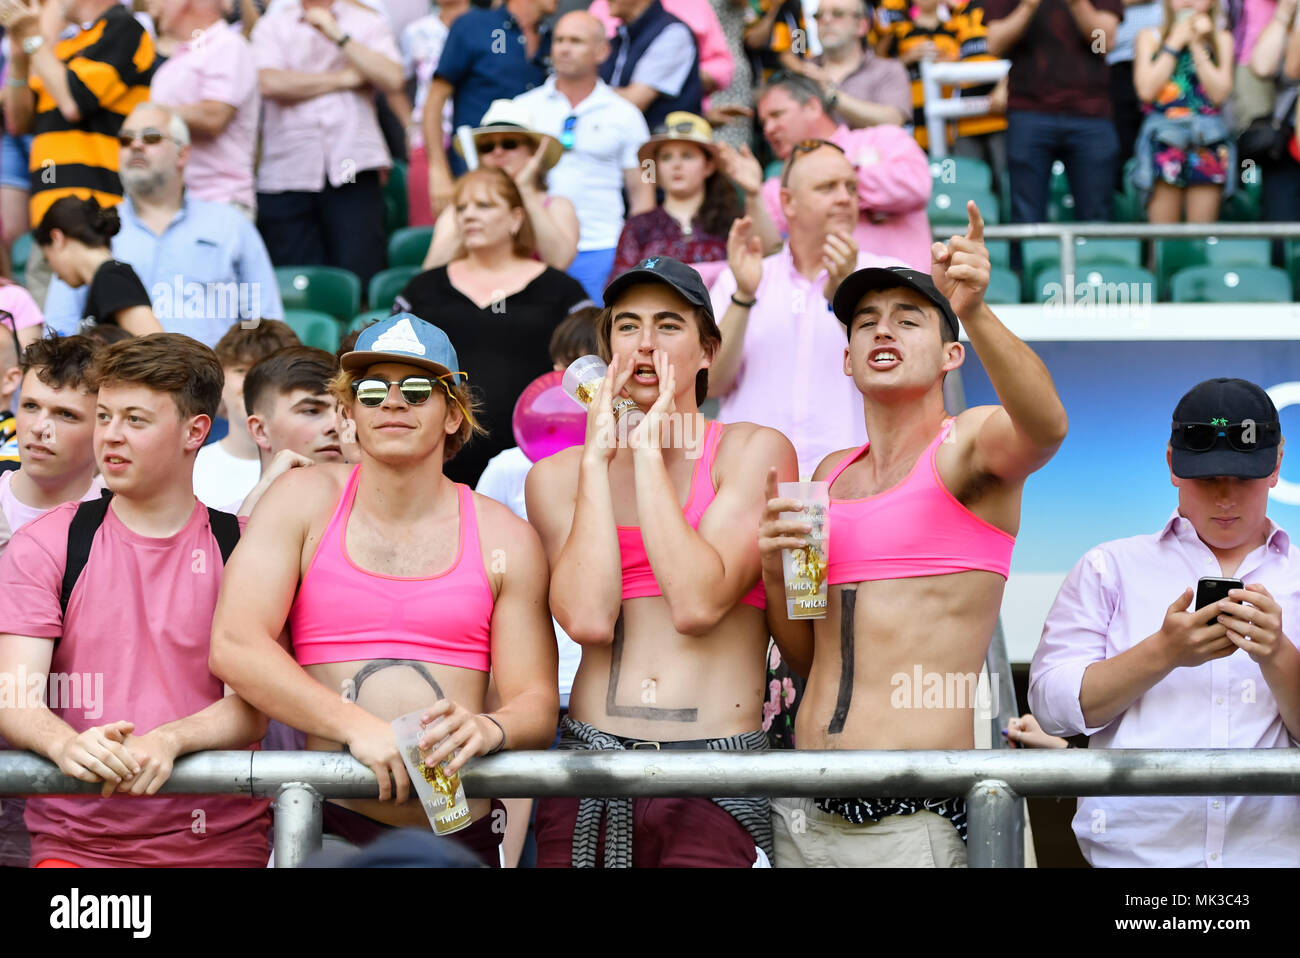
(591, 269)
(1089, 148)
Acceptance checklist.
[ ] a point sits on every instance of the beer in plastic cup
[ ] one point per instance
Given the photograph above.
(805, 569)
(441, 795)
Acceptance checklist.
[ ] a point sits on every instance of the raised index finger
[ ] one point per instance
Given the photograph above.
(975, 231)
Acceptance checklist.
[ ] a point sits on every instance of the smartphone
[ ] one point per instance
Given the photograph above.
(1209, 590)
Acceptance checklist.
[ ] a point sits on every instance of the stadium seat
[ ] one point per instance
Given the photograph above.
(1231, 284)
(1291, 260)
(1112, 284)
(1175, 255)
(1128, 206)
(1060, 204)
(314, 328)
(22, 249)
(1040, 255)
(1243, 206)
(408, 246)
(387, 283)
(999, 252)
(948, 205)
(963, 172)
(362, 320)
(396, 201)
(326, 289)
(1004, 286)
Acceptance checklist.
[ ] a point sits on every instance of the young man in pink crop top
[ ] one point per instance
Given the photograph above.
(922, 522)
(655, 573)
(388, 583)
(134, 634)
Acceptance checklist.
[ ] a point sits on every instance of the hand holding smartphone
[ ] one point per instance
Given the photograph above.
(1210, 590)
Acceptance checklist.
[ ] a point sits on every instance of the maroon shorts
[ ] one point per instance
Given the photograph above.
(666, 833)
(480, 837)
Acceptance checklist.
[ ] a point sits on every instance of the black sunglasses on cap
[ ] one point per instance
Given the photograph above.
(1244, 436)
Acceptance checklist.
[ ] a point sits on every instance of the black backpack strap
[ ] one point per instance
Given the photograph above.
(81, 534)
(225, 529)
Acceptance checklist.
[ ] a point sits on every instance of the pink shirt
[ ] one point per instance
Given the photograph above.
(19, 303)
(1115, 597)
(715, 56)
(1257, 13)
(216, 64)
(893, 192)
(140, 618)
(791, 371)
(335, 135)
(17, 513)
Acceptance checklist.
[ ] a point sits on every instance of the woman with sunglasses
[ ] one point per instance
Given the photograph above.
(506, 142)
(74, 235)
(388, 576)
(497, 300)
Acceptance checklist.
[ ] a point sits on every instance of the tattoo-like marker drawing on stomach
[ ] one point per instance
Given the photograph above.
(848, 601)
(648, 712)
(352, 687)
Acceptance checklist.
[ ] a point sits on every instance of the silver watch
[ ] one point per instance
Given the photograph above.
(32, 44)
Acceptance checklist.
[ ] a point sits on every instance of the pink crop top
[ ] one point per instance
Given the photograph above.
(344, 613)
(638, 578)
(915, 529)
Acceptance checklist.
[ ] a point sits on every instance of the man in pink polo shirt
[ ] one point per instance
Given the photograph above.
(319, 199)
(780, 343)
(893, 173)
(127, 652)
(210, 81)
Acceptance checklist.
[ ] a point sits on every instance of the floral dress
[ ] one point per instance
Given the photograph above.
(1194, 164)
(784, 692)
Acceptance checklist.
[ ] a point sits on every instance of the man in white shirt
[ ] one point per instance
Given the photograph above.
(1119, 662)
(601, 133)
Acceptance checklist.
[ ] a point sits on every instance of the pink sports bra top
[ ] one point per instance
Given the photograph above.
(917, 528)
(638, 578)
(344, 613)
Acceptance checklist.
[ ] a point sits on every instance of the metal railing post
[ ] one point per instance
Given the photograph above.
(1067, 264)
(995, 826)
(297, 824)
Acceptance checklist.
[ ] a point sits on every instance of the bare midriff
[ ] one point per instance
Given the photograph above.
(660, 685)
(918, 647)
(393, 689)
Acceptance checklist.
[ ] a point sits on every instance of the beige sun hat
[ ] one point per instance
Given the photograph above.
(680, 127)
(507, 116)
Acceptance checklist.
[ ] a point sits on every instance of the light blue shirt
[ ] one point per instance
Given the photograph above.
(207, 271)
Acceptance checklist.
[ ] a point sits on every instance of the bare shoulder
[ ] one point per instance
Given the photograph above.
(506, 541)
(747, 445)
(967, 423)
(556, 474)
(497, 522)
(302, 492)
(827, 465)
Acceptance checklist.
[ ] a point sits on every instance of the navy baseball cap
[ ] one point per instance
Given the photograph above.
(404, 338)
(1225, 427)
(863, 281)
(666, 270)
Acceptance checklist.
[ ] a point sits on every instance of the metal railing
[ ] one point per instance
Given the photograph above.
(993, 782)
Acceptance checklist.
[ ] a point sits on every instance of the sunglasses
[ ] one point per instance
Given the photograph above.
(799, 149)
(491, 146)
(1243, 436)
(149, 137)
(415, 390)
(566, 134)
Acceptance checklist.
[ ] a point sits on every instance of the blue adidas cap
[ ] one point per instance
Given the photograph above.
(404, 338)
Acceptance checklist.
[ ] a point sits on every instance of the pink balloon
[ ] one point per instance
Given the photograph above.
(546, 420)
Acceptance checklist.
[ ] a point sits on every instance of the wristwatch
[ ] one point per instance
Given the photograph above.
(834, 96)
(32, 44)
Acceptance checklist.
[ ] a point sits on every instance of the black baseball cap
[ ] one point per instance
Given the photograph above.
(864, 281)
(1225, 427)
(666, 270)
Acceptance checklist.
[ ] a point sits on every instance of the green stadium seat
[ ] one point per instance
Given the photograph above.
(396, 201)
(409, 245)
(948, 205)
(314, 328)
(1291, 260)
(963, 172)
(999, 252)
(18, 256)
(326, 289)
(1004, 286)
(1060, 204)
(1111, 284)
(1043, 254)
(362, 320)
(1174, 255)
(387, 283)
(1128, 206)
(1231, 284)
(1244, 205)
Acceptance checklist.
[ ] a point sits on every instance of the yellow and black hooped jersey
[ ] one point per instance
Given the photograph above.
(961, 34)
(110, 66)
